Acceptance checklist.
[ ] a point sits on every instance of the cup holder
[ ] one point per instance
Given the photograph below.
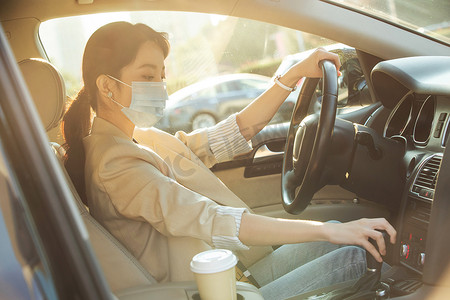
(196, 296)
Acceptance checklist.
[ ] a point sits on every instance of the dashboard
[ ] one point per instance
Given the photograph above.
(424, 118)
(417, 90)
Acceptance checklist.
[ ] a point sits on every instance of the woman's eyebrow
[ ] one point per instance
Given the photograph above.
(152, 66)
(147, 66)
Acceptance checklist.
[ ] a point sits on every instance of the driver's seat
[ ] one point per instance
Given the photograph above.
(121, 269)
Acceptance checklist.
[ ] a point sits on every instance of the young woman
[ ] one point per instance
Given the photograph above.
(163, 202)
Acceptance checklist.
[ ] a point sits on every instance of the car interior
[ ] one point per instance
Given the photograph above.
(386, 159)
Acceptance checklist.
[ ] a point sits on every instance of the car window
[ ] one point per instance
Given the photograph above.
(253, 84)
(227, 87)
(205, 50)
(203, 93)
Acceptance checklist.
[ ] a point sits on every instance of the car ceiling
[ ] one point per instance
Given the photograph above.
(313, 16)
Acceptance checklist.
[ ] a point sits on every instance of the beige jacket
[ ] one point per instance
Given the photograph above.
(162, 202)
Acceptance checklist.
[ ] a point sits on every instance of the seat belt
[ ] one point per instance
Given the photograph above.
(244, 275)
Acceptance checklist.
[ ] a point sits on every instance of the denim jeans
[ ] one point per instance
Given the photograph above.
(298, 268)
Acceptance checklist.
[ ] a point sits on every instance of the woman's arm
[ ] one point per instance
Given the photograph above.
(258, 230)
(257, 114)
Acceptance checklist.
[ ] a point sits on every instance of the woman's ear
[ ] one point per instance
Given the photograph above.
(104, 85)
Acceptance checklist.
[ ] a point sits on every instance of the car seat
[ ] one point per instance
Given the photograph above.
(121, 269)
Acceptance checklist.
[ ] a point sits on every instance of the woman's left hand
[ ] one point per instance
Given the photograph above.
(358, 233)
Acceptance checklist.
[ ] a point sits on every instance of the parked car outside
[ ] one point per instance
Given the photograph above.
(209, 101)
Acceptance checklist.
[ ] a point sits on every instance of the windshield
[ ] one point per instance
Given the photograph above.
(430, 17)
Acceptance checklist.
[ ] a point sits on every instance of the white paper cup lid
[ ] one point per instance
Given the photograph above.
(213, 261)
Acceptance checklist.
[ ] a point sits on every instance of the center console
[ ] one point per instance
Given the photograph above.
(417, 215)
(414, 234)
(416, 218)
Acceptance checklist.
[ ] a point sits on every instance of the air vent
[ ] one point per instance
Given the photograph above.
(425, 182)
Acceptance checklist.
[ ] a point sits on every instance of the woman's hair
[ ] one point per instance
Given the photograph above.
(107, 51)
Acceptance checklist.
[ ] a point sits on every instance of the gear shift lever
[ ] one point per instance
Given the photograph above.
(372, 264)
(382, 289)
(367, 286)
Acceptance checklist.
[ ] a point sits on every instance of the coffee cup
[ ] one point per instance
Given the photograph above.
(215, 274)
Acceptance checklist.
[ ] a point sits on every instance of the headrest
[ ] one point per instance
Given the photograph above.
(47, 89)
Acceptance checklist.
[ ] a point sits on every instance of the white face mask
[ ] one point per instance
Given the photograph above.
(148, 100)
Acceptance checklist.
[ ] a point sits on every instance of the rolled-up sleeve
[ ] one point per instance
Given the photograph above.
(219, 143)
(230, 242)
(226, 140)
(146, 195)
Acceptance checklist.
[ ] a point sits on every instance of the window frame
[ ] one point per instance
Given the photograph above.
(43, 190)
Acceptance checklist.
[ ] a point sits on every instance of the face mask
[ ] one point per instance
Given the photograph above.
(148, 100)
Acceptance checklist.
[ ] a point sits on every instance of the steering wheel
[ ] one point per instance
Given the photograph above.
(308, 141)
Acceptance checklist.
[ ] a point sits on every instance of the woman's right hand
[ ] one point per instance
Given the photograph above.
(358, 233)
(309, 67)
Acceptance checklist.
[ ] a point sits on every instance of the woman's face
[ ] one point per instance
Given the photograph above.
(148, 66)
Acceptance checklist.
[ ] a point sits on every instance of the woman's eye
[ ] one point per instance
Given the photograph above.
(152, 78)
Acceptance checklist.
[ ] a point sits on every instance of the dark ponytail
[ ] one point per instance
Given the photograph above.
(107, 51)
(76, 125)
